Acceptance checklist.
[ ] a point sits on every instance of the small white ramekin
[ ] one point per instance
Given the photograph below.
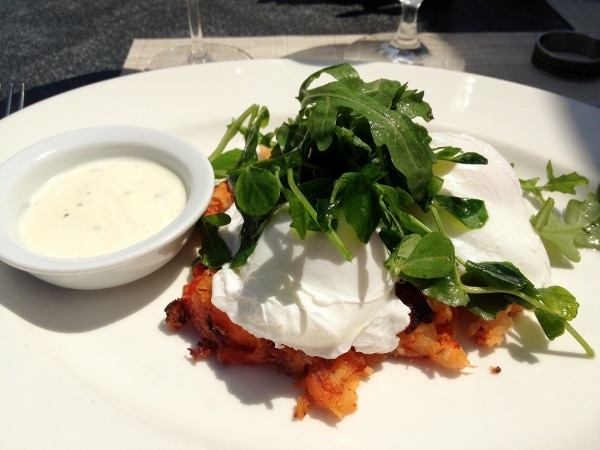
(23, 173)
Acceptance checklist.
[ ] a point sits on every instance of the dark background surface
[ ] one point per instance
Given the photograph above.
(55, 45)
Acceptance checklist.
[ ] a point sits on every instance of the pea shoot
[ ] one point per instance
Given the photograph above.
(359, 149)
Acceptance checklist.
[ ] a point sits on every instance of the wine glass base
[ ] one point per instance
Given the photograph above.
(433, 52)
(182, 56)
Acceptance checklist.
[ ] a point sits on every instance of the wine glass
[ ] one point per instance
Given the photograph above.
(406, 45)
(197, 51)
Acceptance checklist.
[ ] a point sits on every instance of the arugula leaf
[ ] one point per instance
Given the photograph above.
(579, 229)
(412, 105)
(470, 212)
(299, 215)
(585, 215)
(353, 149)
(393, 203)
(252, 228)
(406, 142)
(456, 155)
(214, 252)
(360, 206)
(555, 231)
(563, 183)
(580, 226)
(310, 190)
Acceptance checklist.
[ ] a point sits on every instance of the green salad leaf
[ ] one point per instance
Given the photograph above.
(358, 149)
(565, 183)
(214, 252)
(577, 227)
(585, 216)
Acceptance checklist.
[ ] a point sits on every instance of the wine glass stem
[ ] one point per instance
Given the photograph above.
(198, 52)
(406, 36)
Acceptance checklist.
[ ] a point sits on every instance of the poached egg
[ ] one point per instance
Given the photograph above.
(303, 293)
(507, 234)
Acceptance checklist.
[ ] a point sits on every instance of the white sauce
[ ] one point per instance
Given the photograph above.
(100, 207)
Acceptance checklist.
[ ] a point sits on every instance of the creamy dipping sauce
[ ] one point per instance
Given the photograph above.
(100, 207)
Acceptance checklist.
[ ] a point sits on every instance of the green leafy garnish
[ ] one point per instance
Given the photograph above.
(563, 183)
(214, 251)
(453, 154)
(469, 211)
(585, 216)
(357, 149)
(578, 227)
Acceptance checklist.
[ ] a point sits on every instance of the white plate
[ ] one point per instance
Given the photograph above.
(100, 370)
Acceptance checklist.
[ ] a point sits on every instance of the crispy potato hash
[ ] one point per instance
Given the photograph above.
(330, 384)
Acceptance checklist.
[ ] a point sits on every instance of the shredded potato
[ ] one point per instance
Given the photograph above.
(328, 384)
(490, 333)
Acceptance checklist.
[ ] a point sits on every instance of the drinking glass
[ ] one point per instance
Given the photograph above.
(406, 45)
(197, 51)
